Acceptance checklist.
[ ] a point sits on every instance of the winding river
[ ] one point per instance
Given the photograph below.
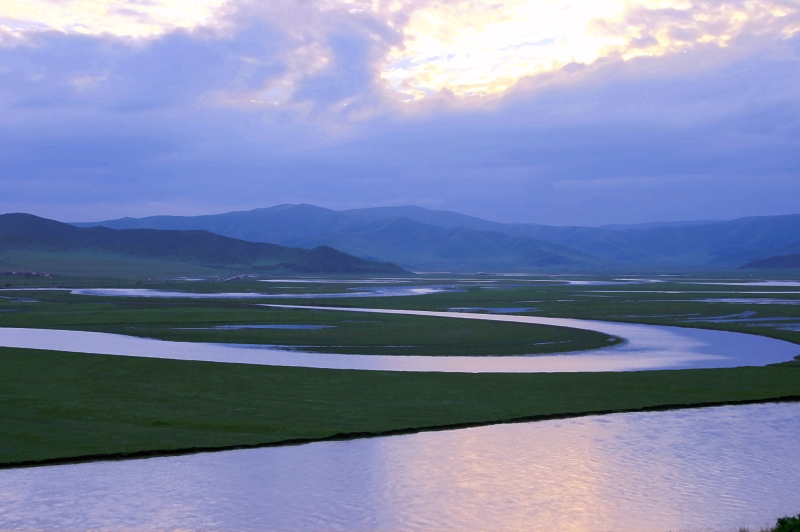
(701, 469)
(646, 347)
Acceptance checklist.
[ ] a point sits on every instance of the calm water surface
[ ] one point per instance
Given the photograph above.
(361, 291)
(365, 291)
(704, 469)
(645, 347)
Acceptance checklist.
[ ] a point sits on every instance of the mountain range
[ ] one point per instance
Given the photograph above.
(430, 240)
(28, 242)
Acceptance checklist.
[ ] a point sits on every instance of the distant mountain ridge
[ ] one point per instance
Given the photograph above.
(424, 239)
(649, 225)
(780, 262)
(386, 236)
(27, 235)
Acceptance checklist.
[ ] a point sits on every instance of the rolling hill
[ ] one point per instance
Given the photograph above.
(32, 243)
(425, 247)
(425, 239)
(376, 234)
(780, 262)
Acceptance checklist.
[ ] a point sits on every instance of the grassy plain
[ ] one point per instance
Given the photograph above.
(85, 264)
(63, 406)
(342, 332)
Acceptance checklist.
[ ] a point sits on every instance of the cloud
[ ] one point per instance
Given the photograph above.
(260, 103)
(474, 47)
(120, 18)
(342, 51)
(54, 69)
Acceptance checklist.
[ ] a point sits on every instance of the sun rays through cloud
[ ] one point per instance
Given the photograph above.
(462, 47)
(484, 46)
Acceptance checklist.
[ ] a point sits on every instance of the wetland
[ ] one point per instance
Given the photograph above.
(110, 407)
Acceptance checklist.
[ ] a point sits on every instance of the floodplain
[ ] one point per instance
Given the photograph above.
(106, 406)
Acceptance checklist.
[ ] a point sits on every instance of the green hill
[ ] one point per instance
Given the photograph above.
(780, 262)
(423, 239)
(429, 248)
(384, 234)
(28, 242)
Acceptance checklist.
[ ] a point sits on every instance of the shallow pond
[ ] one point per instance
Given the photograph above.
(365, 291)
(702, 469)
(261, 326)
(752, 301)
(494, 310)
(750, 283)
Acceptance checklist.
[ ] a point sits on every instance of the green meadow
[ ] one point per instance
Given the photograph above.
(339, 332)
(59, 407)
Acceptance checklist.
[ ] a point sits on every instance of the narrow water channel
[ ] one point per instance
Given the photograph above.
(695, 470)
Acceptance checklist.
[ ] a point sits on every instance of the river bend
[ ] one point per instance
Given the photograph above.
(646, 347)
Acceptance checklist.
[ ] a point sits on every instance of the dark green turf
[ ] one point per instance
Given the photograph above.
(63, 405)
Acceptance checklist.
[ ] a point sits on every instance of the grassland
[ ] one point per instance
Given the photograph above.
(89, 264)
(29, 242)
(63, 406)
(342, 332)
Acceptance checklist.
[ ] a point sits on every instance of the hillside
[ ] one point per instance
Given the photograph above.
(429, 248)
(384, 235)
(27, 239)
(780, 262)
(420, 238)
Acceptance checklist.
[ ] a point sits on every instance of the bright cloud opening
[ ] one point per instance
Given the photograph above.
(479, 47)
(467, 47)
(121, 18)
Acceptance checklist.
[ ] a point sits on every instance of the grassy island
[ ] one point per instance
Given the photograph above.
(60, 407)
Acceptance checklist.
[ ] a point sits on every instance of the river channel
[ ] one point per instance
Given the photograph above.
(645, 347)
(696, 470)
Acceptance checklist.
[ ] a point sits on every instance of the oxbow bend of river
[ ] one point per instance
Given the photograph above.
(646, 347)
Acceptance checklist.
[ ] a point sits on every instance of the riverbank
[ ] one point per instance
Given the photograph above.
(782, 524)
(107, 407)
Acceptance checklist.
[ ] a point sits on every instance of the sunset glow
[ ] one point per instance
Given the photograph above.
(485, 47)
(467, 47)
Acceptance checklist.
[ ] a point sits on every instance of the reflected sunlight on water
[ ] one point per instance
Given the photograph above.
(703, 469)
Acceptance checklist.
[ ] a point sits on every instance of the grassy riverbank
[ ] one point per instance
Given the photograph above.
(63, 406)
(197, 320)
(783, 524)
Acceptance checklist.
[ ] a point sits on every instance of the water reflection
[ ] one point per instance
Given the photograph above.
(365, 291)
(752, 301)
(705, 469)
(645, 347)
(750, 283)
(289, 326)
(493, 310)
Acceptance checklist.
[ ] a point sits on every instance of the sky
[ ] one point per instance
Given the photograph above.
(573, 112)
